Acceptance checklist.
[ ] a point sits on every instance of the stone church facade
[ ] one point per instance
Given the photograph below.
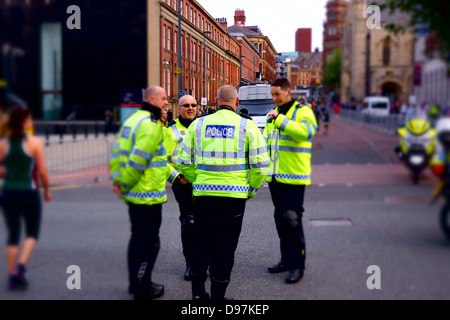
(375, 61)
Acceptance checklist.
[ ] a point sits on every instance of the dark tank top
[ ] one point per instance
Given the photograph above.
(20, 167)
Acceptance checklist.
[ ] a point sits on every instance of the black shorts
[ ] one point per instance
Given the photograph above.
(18, 204)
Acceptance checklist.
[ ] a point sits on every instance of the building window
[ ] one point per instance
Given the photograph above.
(168, 37)
(386, 52)
(164, 80)
(175, 39)
(164, 36)
(168, 81)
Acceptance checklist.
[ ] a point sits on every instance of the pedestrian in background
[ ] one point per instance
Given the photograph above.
(163, 119)
(182, 189)
(326, 122)
(288, 132)
(139, 168)
(19, 153)
(226, 167)
(109, 120)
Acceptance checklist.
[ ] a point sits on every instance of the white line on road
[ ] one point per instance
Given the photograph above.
(369, 142)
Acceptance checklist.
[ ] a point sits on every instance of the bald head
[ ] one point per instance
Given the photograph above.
(227, 96)
(186, 99)
(187, 107)
(156, 96)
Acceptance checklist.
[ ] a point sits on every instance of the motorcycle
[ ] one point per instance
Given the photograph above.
(417, 142)
(440, 166)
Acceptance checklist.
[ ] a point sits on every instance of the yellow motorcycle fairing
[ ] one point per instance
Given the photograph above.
(418, 126)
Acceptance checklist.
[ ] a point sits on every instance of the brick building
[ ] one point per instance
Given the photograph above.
(305, 72)
(222, 51)
(333, 27)
(119, 50)
(265, 69)
(303, 40)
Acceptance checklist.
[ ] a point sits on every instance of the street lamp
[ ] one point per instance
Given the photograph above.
(204, 62)
(180, 79)
(240, 69)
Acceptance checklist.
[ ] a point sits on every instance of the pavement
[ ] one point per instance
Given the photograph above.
(361, 210)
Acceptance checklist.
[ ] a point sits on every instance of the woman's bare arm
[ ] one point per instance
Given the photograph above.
(41, 169)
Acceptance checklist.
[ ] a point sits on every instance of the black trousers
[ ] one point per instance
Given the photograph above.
(288, 202)
(144, 245)
(218, 223)
(18, 204)
(183, 195)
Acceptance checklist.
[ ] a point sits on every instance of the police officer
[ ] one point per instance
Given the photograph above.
(224, 156)
(182, 189)
(139, 168)
(289, 130)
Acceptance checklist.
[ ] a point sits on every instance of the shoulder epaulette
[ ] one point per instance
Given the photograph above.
(153, 118)
(171, 123)
(245, 116)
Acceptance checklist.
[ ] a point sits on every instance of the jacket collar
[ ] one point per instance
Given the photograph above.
(225, 108)
(151, 108)
(184, 122)
(285, 107)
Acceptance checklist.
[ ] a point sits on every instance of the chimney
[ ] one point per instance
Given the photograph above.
(223, 22)
(239, 17)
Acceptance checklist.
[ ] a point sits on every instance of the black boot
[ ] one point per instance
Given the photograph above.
(187, 273)
(198, 289)
(218, 289)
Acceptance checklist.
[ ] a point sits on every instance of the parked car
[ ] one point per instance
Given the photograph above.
(376, 106)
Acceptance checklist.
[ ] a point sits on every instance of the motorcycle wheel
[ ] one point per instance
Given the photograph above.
(445, 220)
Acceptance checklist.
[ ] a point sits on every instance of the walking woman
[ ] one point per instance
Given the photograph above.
(22, 156)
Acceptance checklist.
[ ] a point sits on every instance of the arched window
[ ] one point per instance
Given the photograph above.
(387, 52)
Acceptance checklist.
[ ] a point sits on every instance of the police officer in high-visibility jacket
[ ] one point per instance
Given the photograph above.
(224, 156)
(289, 130)
(139, 169)
(182, 189)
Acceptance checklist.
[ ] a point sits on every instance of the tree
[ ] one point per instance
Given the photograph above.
(434, 14)
(332, 71)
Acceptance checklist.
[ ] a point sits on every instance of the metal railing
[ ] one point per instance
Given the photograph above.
(76, 152)
(385, 124)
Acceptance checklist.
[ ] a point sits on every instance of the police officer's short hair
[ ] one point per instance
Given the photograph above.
(150, 92)
(283, 83)
(227, 93)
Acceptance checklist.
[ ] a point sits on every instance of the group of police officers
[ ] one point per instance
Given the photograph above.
(215, 163)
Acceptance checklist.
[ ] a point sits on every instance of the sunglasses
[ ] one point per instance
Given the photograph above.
(187, 105)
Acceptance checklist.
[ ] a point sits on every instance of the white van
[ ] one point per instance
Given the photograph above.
(257, 102)
(376, 106)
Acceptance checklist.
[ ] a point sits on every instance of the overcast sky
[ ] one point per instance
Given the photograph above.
(277, 19)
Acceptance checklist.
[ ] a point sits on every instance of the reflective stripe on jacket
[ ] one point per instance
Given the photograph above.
(223, 154)
(139, 160)
(289, 140)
